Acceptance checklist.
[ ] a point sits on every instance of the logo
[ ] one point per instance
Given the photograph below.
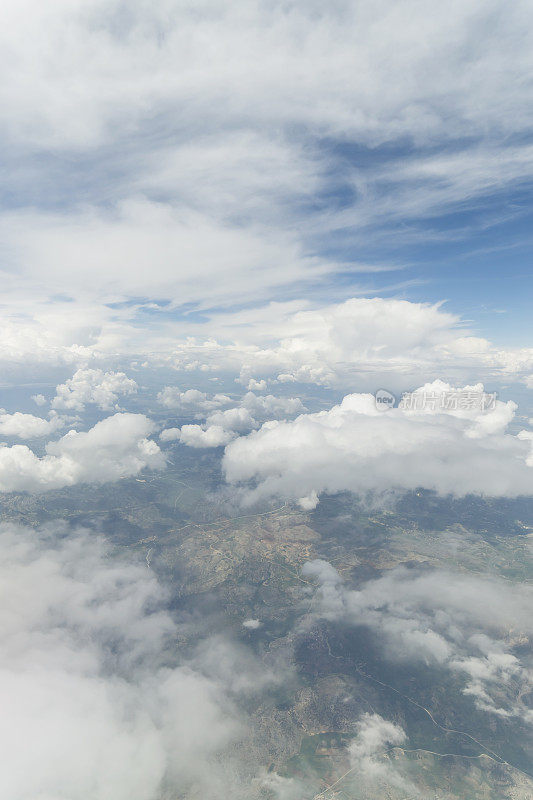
(384, 400)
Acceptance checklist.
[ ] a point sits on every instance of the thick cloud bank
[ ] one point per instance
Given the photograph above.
(367, 341)
(93, 704)
(446, 442)
(114, 448)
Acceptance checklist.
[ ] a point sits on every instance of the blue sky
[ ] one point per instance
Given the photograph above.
(170, 169)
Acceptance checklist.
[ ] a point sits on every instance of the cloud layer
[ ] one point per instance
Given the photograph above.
(93, 701)
(242, 154)
(473, 625)
(357, 447)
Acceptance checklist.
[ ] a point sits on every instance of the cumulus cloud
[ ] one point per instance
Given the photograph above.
(221, 427)
(375, 735)
(364, 341)
(356, 446)
(367, 338)
(252, 624)
(90, 682)
(236, 420)
(255, 385)
(196, 436)
(93, 386)
(27, 426)
(318, 344)
(41, 345)
(191, 400)
(470, 624)
(115, 447)
(271, 406)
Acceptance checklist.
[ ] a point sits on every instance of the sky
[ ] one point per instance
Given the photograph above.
(224, 227)
(203, 200)
(203, 158)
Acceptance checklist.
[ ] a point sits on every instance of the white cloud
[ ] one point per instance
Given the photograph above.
(93, 386)
(89, 679)
(170, 435)
(255, 385)
(115, 447)
(467, 623)
(39, 399)
(374, 736)
(191, 400)
(309, 501)
(238, 669)
(355, 51)
(270, 406)
(152, 249)
(27, 426)
(196, 436)
(38, 341)
(280, 787)
(231, 203)
(252, 624)
(376, 339)
(374, 733)
(236, 420)
(221, 427)
(354, 446)
(363, 342)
